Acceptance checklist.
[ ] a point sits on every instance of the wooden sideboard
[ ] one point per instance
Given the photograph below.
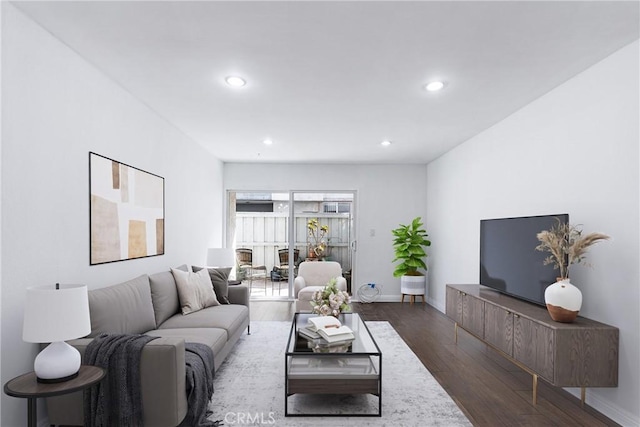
(579, 354)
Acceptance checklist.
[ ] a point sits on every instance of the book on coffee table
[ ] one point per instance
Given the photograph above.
(327, 328)
(321, 322)
(333, 335)
(308, 333)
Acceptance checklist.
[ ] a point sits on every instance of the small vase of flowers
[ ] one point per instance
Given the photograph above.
(330, 301)
(566, 246)
(317, 233)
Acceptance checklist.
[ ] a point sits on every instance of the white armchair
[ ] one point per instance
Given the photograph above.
(313, 276)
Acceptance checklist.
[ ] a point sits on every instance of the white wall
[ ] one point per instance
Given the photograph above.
(57, 108)
(574, 150)
(387, 195)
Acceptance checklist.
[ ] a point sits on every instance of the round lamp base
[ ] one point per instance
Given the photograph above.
(57, 362)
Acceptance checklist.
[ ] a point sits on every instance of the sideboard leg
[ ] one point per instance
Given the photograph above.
(535, 389)
(455, 332)
(583, 395)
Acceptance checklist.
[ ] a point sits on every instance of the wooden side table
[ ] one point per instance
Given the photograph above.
(27, 386)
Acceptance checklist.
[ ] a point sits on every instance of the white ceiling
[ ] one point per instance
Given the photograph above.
(328, 81)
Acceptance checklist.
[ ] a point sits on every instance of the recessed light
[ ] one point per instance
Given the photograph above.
(267, 141)
(235, 81)
(385, 143)
(434, 86)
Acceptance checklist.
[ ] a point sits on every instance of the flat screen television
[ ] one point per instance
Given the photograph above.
(509, 262)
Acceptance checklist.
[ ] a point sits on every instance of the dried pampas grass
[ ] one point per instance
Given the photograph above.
(567, 245)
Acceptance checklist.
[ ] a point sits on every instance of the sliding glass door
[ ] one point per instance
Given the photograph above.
(277, 233)
(323, 227)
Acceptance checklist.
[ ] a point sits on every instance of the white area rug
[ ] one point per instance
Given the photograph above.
(249, 386)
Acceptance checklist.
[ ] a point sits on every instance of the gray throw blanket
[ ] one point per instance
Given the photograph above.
(116, 401)
(199, 384)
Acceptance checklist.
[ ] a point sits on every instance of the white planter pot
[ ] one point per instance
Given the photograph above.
(413, 285)
(563, 301)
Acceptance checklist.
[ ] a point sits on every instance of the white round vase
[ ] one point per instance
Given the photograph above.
(563, 301)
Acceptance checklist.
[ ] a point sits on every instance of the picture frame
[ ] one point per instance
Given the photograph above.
(126, 211)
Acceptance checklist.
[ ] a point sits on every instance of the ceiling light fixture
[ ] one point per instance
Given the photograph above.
(434, 86)
(235, 81)
(267, 142)
(385, 143)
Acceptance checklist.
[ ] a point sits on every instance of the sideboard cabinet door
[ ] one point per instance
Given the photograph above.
(466, 310)
(534, 346)
(498, 327)
(473, 315)
(454, 305)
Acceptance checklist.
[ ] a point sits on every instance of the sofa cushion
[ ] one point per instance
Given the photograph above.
(195, 290)
(220, 279)
(164, 294)
(125, 308)
(318, 273)
(215, 338)
(228, 317)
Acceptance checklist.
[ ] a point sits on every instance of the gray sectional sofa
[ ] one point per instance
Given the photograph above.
(150, 305)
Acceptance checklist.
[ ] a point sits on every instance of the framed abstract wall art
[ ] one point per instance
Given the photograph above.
(126, 211)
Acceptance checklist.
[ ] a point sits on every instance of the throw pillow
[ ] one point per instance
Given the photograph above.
(195, 290)
(220, 279)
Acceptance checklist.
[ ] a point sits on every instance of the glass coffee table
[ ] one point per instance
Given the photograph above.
(314, 367)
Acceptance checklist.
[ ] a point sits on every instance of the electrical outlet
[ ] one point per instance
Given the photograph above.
(372, 232)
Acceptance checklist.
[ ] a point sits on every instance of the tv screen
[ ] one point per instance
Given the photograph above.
(509, 261)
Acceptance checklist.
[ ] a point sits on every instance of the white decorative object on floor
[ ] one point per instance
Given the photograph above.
(369, 292)
(413, 285)
(563, 301)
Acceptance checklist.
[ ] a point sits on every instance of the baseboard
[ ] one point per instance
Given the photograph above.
(382, 298)
(398, 298)
(434, 303)
(394, 298)
(607, 408)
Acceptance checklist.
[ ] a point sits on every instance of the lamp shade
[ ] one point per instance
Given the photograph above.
(221, 257)
(52, 314)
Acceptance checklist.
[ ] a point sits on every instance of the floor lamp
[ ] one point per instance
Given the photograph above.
(222, 257)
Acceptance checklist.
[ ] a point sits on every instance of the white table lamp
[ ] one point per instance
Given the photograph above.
(221, 257)
(54, 314)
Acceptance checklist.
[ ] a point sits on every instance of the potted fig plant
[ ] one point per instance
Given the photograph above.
(566, 246)
(409, 242)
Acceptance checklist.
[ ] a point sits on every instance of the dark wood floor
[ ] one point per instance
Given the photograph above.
(489, 389)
